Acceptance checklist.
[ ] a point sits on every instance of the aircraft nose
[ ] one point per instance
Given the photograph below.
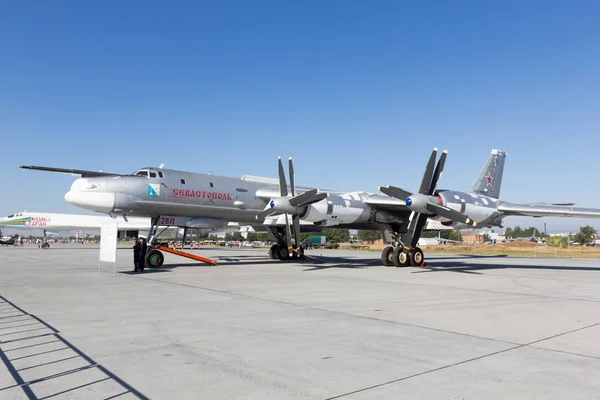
(93, 201)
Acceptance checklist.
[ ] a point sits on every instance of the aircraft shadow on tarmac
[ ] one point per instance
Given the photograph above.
(465, 267)
(32, 344)
(449, 263)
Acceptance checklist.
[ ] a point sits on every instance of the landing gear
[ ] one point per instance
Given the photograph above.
(45, 244)
(297, 253)
(281, 251)
(386, 256)
(400, 257)
(154, 259)
(273, 252)
(417, 258)
(399, 254)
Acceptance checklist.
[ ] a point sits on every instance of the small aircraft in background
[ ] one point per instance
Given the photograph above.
(127, 227)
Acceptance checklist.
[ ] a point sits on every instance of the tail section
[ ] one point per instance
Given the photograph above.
(489, 180)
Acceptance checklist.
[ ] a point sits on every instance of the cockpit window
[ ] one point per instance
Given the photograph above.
(152, 174)
(11, 215)
(160, 174)
(142, 172)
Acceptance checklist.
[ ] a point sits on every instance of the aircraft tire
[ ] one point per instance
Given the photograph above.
(45, 245)
(417, 258)
(282, 253)
(386, 256)
(400, 257)
(273, 252)
(154, 259)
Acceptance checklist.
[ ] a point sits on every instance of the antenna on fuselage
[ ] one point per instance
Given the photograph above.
(161, 166)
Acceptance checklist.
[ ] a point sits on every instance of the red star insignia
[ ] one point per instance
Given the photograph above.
(489, 180)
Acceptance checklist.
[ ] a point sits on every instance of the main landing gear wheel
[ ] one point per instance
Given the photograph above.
(154, 259)
(386, 256)
(45, 245)
(400, 257)
(273, 252)
(282, 253)
(416, 257)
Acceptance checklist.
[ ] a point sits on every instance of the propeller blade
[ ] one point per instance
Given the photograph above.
(426, 182)
(308, 197)
(288, 231)
(449, 213)
(418, 230)
(266, 213)
(292, 183)
(395, 192)
(438, 172)
(296, 220)
(282, 185)
(315, 199)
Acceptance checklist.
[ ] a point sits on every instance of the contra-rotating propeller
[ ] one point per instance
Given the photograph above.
(290, 204)
(425, 203)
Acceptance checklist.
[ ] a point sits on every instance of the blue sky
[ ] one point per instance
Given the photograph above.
(357, 92)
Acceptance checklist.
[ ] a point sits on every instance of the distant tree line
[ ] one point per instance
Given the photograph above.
(518, 232)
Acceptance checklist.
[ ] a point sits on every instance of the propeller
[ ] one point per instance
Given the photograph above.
(425, 203)
(290, 203)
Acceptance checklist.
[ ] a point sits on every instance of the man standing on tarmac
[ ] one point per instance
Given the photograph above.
(136, 253)
(142, 255)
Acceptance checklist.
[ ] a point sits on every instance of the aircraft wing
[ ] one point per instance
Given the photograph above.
(550, 210)
(82, 172)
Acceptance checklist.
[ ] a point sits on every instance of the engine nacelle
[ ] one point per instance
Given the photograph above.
(337, 209)
(315, 212)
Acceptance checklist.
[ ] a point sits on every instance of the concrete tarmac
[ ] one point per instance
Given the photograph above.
(339, 325)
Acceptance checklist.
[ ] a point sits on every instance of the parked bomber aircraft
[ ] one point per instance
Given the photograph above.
(279, 207)
(209, 201)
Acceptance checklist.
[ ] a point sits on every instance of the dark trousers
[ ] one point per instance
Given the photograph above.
(142, 261)
(136, 261)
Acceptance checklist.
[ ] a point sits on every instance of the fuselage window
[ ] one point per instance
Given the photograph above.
(160, 174)
(152, 174)
(212, 184)
(183, 181)
(241, 190)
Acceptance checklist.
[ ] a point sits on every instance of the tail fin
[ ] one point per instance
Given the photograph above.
(489, 180)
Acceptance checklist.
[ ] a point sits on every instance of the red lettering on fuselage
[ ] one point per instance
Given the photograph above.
(185, 193)
(38, 221)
